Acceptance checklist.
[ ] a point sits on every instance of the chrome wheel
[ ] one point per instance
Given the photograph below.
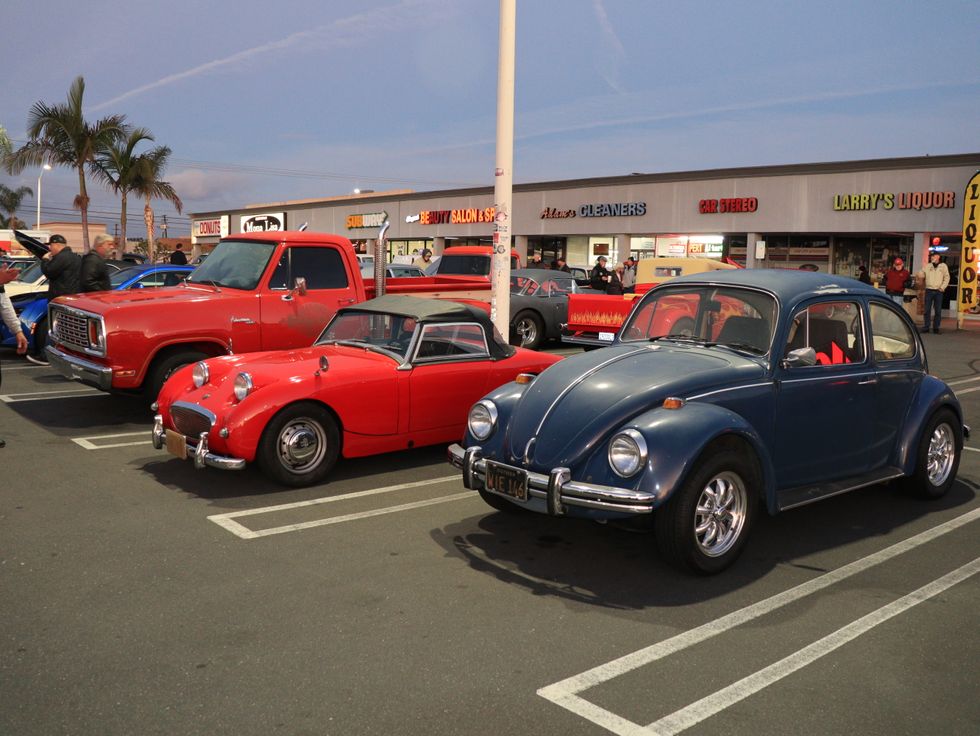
(719, 515)
(941, 454)
(527, 331)
(301, 445)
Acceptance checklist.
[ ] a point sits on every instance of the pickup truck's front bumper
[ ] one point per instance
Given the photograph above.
(79, 369)
(557, 489)
(197, 449)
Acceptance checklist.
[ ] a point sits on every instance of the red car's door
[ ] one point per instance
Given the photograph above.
(291, 319)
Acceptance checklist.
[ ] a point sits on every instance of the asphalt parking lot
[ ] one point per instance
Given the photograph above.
(138, 595)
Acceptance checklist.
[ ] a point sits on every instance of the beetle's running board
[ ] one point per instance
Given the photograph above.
(803, 495)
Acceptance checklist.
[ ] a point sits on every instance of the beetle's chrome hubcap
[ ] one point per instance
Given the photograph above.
(720, 514)
(527, 331)
(302, 445)
(942, 451)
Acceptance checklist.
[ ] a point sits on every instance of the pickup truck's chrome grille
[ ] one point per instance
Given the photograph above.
(189, 422)
(73, 330)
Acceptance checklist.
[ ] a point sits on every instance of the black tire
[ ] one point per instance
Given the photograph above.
(300, 445)
(937, 458)
(501, 504)
(718, 541)
(165, 367)
(527, 330)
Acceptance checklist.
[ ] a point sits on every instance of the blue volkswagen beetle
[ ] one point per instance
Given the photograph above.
(789, 387)
(33, 308)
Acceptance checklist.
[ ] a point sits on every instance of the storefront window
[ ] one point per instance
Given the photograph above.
(884, 250)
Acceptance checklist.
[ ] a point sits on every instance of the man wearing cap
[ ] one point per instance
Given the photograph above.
(94, 273)
(62, 266)
(936, 277)
(600, 275)
(895, 281)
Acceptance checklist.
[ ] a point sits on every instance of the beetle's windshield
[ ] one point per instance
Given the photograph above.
(391, 333)
(238, 264)
(742, 319)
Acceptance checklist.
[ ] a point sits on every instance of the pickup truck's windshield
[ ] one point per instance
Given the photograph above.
(237, 264)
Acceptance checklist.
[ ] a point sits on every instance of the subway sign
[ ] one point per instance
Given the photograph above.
(370, 219)
(895, 200)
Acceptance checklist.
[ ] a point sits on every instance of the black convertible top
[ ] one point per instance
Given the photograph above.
(424, 310)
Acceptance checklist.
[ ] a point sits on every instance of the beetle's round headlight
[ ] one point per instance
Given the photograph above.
(483, 419)
(201, 374)
(627, 453)
(243, 386)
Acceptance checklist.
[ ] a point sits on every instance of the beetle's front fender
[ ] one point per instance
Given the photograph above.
(678, 438)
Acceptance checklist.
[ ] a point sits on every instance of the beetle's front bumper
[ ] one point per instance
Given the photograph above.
(196, 449)
(556, 489)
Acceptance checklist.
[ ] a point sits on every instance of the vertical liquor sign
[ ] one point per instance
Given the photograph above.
(970, 256)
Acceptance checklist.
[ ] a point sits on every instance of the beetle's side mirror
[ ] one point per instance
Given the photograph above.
(799, 358)
(299, 286)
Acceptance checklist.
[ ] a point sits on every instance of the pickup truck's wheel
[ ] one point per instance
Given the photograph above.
(300, 445)
(527, 330)
(165, 367)
(704, 525)
(938, 456)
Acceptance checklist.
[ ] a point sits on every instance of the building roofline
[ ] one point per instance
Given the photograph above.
(829, 167)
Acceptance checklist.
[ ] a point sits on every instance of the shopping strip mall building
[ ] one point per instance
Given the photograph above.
(832, 216)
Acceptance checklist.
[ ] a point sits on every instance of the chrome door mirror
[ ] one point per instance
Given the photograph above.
(799, 358)
(299, 286)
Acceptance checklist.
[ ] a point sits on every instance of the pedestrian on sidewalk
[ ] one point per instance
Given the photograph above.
(936, 275)
(896, 280)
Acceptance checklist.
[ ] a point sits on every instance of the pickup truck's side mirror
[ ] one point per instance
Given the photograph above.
(299, 286)
(799, 358)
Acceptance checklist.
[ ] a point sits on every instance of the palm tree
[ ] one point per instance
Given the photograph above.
(148, 183)
(119, 166)
(60, 135)
(10, 200)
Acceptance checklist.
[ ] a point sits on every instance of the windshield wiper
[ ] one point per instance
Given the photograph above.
(205, 282)
(743, 346)
(677, 336)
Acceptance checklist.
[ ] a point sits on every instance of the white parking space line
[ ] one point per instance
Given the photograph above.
(966, 390)
(88, 444)
(971, 449)
(68, 393)
(963, 380)
(226, 521)
(565, 692)
(703, 709)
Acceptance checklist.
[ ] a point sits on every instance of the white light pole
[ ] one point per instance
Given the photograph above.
(46, 167)
(504, 174)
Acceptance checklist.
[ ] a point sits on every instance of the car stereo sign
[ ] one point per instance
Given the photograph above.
(263, 222)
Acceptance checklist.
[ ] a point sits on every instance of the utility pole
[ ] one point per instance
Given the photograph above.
(503, 174)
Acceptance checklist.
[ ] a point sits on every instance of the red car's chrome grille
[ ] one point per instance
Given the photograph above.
(73, 330)
(188, 422)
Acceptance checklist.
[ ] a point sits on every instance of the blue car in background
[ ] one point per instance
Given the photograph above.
(33, 308)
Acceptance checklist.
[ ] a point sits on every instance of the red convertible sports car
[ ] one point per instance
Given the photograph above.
(388, 374)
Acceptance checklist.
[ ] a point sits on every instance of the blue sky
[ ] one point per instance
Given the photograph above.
(265, 102)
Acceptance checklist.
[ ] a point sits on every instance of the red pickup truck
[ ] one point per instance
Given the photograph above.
(256, 291)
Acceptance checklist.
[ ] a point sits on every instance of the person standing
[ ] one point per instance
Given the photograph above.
(62, 266)
(178, 257)
(629, 275)
(896, 280)
(560, 265)
(863, 276)
(424, 260)
(600, 275)
(936, 275)
(615, 285)
(94, 275)
(9, 317)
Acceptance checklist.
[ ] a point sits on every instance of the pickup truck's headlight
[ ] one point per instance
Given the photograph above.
(627, 453)
(201, 374)
(482, 419)
(243, 386)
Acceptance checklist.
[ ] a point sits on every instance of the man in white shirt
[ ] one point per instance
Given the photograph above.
(936, 276)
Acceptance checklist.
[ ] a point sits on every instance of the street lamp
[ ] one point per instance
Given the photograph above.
(46, 167)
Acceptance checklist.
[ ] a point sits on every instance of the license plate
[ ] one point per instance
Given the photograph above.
(176, 444)
(506, 480)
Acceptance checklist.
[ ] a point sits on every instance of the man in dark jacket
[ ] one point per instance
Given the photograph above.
(94, 273)
(177, 257)
(62, 267)
(600, 275)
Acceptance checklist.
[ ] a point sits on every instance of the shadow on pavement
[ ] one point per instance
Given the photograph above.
(608, 566)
